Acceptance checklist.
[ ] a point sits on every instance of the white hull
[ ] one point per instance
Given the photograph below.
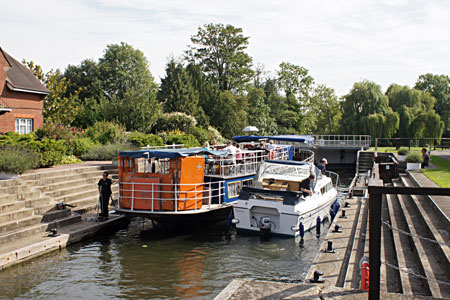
(284, 218)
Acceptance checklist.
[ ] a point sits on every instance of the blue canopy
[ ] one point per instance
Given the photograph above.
(307, 139)
(171, 153)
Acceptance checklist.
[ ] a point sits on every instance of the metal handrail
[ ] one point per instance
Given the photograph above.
(176, 192)
(243, 163)
(343, 140)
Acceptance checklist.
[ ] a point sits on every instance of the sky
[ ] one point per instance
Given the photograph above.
(339, 42)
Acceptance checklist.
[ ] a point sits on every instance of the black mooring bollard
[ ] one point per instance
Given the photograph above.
(346, 204)
(318, 222)
(330, 246)
(343, 214)
(337, 228)
(316, 277)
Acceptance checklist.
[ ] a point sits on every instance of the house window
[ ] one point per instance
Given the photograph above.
(24, 126)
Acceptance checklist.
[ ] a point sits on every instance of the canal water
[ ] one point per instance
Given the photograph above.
(136, 264)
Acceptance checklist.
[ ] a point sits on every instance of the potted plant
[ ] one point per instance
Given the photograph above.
(413, 161)
(15, 160)
(402, 152)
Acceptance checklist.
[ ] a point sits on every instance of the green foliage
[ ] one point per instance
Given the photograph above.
(200, 134)
(51, 151)
(413, 157)
(403, 151)
(259, 113)
(58, 132)
(232, 116)
(140, 139)
(177, 138)
(294, 80)
(176, 91)
(365, 110)
(219, 50)
(106, 132)
(17, 159)
(326, 108)
(79, 146)
(107, 152)
(439, 87)
(123, 69)
(70, 159)
(175, 121)
(59, 108)
(417, 117)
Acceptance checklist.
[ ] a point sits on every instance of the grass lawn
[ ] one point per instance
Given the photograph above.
(392, 149)
(441, 175)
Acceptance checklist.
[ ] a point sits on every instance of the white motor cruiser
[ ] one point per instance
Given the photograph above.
(275, 204)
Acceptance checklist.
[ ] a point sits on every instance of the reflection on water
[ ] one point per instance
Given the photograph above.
(131, 265)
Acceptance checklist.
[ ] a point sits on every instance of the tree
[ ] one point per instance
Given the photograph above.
(439, 87)
(58, 109)
(327, 109)
(259, 113)
(294, 80)
(415, 109)
(231, 118)
(219, 50)
(124, 69)
(176, 90)
(86, 78)
(365, 110)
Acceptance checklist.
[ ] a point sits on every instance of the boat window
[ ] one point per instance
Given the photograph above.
(234, 189)
(247, 182)
(156, 166)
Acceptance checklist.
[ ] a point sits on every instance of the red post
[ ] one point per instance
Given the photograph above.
(364, 266)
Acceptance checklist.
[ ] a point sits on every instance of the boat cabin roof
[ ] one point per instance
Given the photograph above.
(171, 153)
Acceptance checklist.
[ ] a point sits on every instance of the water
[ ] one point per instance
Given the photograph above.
(131, 264)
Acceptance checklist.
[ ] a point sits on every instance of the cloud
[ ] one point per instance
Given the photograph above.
(340, 42)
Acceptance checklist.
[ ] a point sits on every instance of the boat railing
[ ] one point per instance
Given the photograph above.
(155, 195)
(244, 162)
(334, 177)
(173, 146)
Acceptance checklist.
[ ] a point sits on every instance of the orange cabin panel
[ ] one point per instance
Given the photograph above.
(142, 194)
(191, 183)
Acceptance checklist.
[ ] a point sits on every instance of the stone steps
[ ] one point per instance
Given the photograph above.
(20, 223)
(16, 215)
(21, 233)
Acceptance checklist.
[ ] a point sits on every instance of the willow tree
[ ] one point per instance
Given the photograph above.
(415, 108)
(365, 110)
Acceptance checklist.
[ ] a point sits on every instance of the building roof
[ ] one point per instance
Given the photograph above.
(19, 78)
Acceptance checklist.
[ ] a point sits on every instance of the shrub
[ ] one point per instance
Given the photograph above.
(214, 135)
(51, 152)
(140, 139)
(181, 138)
(79, 146)
(54, 131)
(200, 134)
(17, 159)
(175, 121)
(413, 157)
(13, 138)
(403, 151)
(70, 159)
(106, 152)
(106, 133)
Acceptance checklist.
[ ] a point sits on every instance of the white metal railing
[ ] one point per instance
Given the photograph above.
(342, 140)
(155, 194)
(245, 162)
(173, 146)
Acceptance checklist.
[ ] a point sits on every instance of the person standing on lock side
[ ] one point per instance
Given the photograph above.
(104, 190)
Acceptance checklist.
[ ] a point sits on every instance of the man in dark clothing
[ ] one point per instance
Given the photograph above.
(104, 190)
(322, 166)
(305, 186)
(425, 158)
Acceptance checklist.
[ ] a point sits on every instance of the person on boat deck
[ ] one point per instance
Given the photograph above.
(104, 190)
(231, 151)
(306, 186)
(208, 160)
(425, 159)
(271, 145)
(322, 165)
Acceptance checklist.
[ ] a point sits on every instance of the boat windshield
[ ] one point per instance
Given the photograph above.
(266, 169)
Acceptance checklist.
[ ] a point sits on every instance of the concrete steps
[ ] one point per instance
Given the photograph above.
(28, 204)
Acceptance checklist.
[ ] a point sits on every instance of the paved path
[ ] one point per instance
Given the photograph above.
(445, 154)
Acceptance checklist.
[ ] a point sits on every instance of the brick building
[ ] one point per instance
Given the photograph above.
(21, 97)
